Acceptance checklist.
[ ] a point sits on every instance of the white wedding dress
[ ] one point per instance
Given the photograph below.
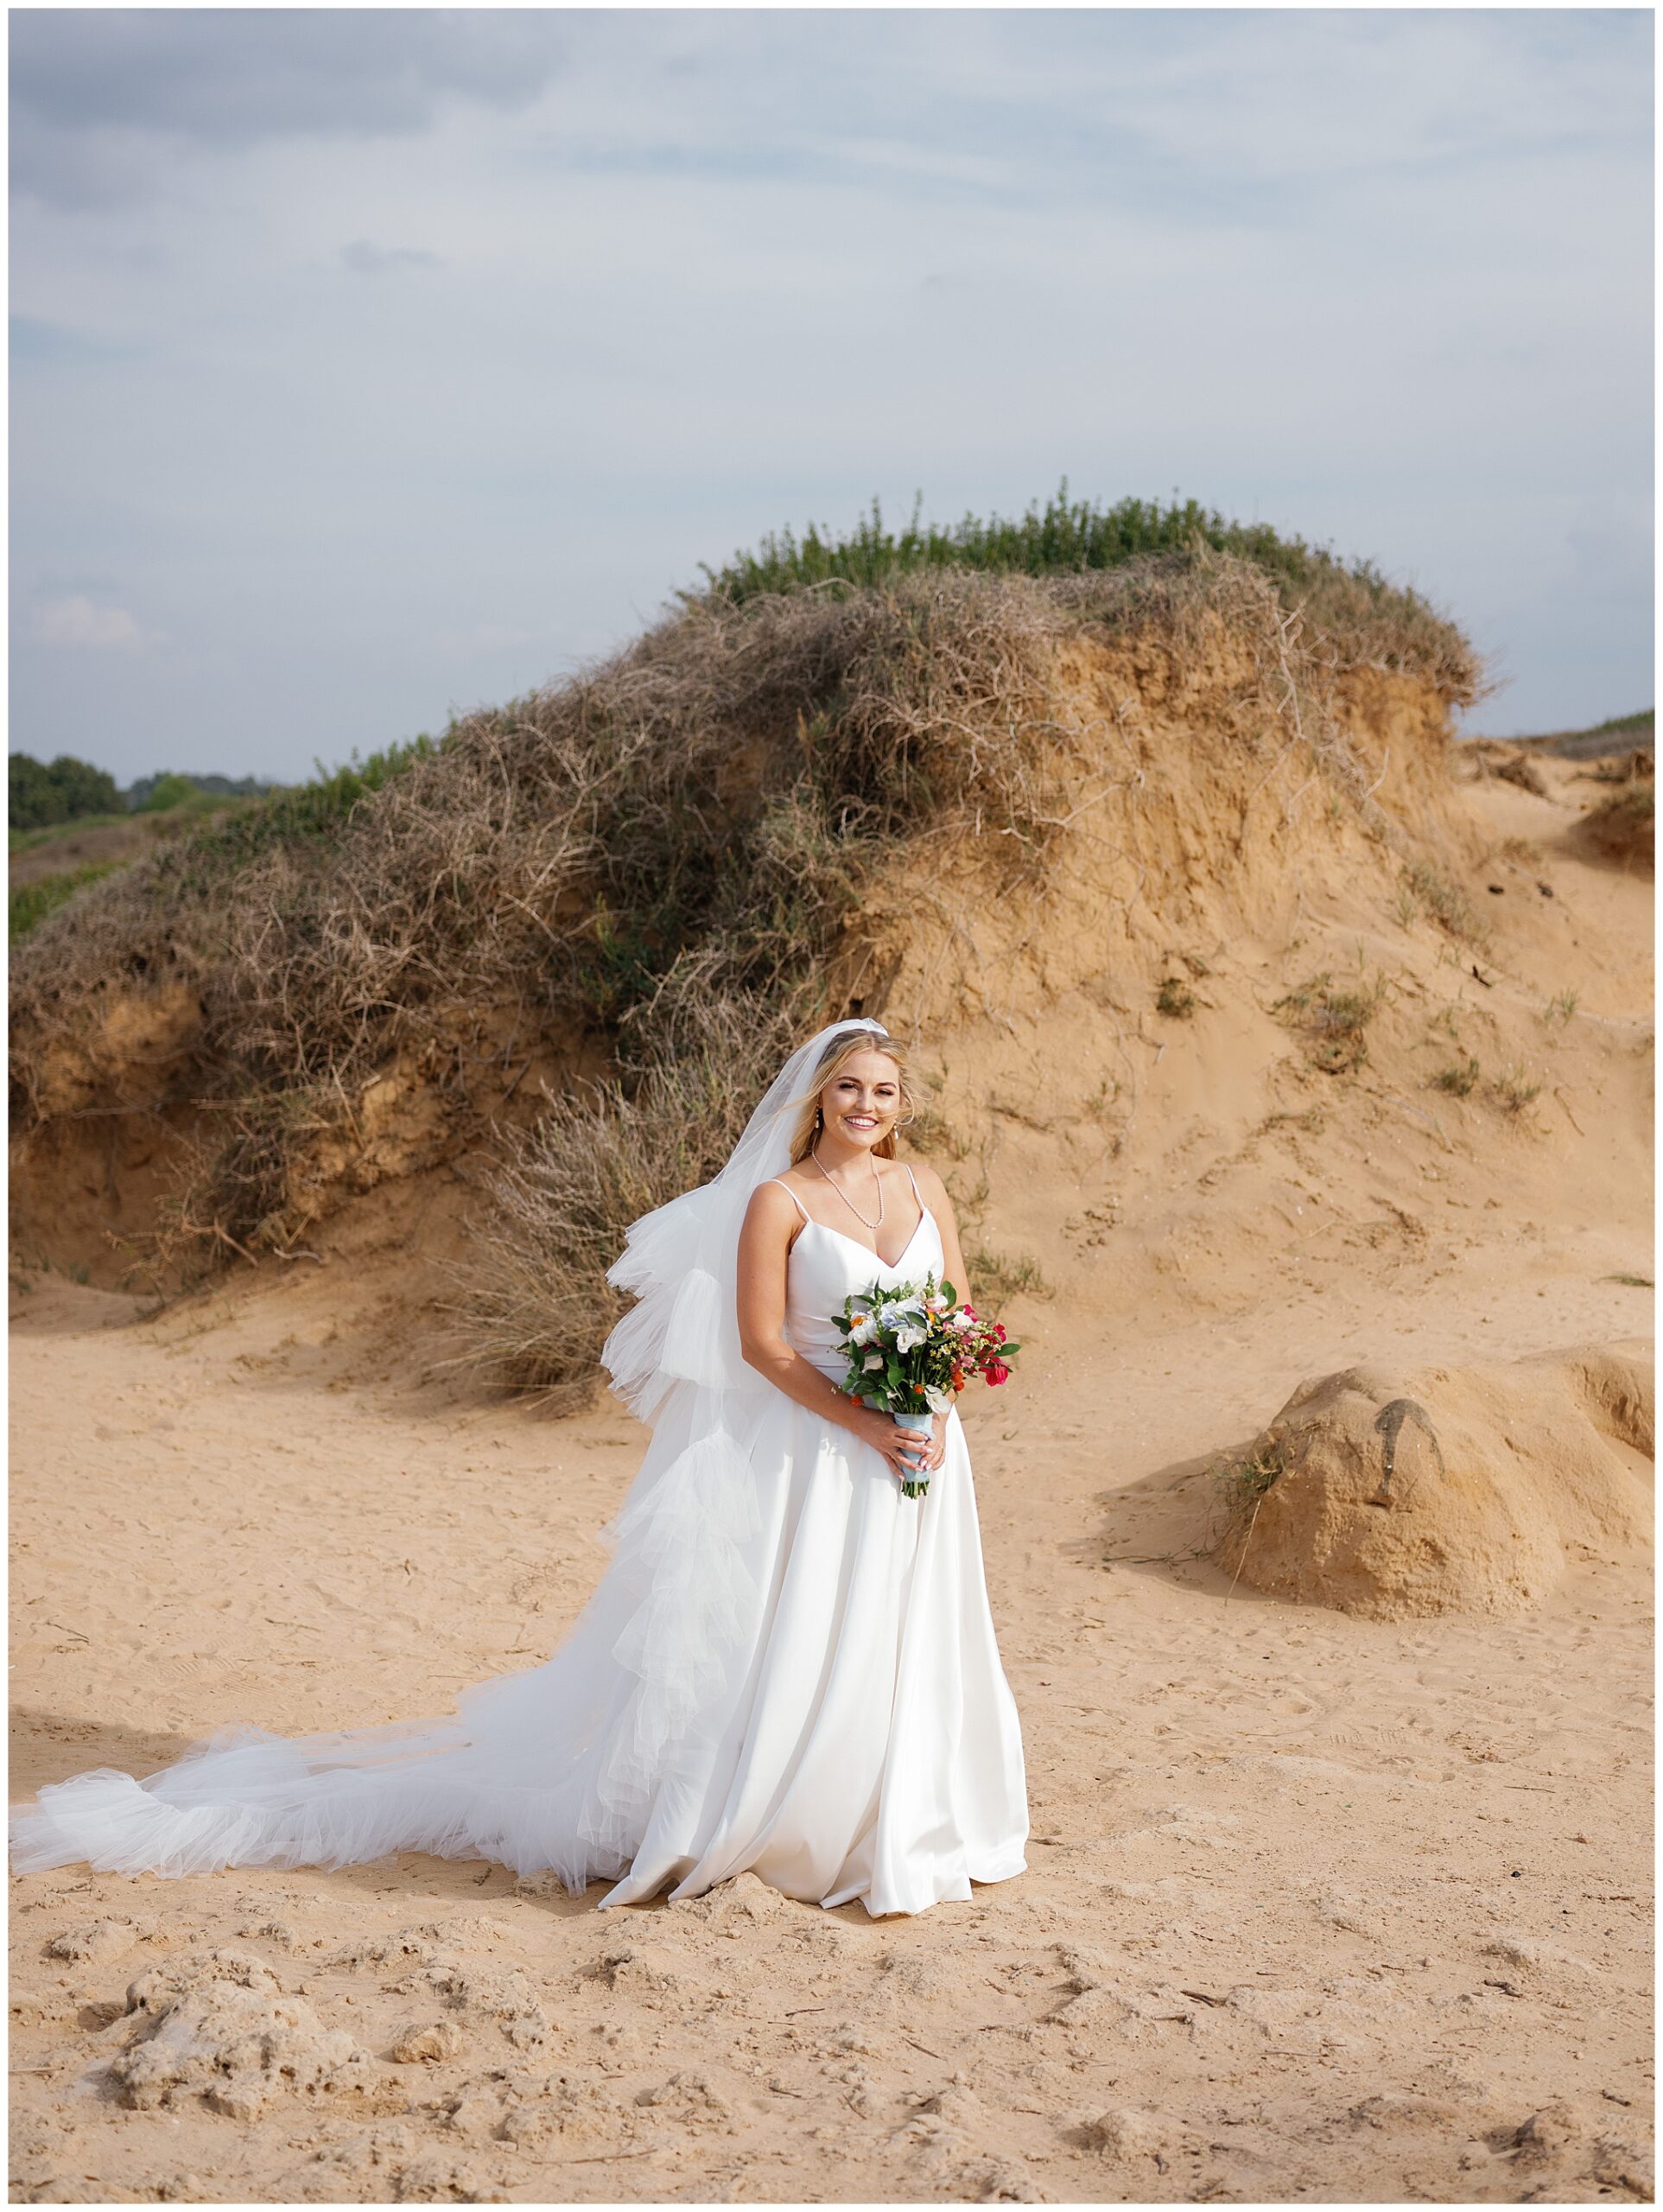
(789, 1667)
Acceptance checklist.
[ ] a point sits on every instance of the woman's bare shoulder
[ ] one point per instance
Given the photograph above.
(929, 1182)
(769, 1202)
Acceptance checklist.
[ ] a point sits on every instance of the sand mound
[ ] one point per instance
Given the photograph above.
(1511, 764)
(1392, 1492)
(216, 2026)
(1621, 828)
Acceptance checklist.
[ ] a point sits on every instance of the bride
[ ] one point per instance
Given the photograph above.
(789, 1667)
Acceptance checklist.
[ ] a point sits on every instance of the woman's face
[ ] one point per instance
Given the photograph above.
(862, 1101)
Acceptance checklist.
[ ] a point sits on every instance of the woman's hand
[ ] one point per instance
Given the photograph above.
(938, 1442)
(896, 1444)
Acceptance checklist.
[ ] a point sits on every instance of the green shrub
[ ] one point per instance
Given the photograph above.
(167, 790)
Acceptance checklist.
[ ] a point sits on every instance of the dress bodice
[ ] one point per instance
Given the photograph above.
(824, 1268)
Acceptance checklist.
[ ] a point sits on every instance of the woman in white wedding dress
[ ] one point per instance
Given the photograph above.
(789, 1667)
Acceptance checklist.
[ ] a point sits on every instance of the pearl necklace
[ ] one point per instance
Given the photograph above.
(848, 1201)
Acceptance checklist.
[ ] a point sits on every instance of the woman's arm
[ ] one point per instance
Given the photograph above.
(765, 1238)
(934, 1193)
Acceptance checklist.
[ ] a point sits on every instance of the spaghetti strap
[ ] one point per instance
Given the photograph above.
(792, 1195)
(913, 1180)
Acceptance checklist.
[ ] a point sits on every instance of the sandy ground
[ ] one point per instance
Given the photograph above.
(1318, 1907)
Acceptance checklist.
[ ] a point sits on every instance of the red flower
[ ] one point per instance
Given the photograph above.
(999, 1331)
(996, 1370)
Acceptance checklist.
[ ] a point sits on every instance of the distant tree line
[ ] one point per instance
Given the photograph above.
(64, 790)
(40, 794)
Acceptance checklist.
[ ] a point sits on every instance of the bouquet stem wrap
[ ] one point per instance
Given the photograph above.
(921, 1425)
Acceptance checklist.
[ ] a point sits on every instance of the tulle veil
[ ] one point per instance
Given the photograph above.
(555, 1767)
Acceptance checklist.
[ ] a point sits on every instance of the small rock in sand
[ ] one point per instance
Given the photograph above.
(272, 1931)
(1619, 2164)
(154, 1991)
(1537, 1965)
(218, 2029)
(634, 1973)
(547, 1883)
(1125, 2133)
(421, 2040)
(499, 1993)
(688, 2097)
(95, 1940)
(745, 1901)
(1545, 2134)
(439, 2180)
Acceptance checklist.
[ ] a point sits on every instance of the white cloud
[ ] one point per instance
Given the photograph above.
(102, 99)
(78, 622)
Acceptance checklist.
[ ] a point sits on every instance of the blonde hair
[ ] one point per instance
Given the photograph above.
(840, 1050)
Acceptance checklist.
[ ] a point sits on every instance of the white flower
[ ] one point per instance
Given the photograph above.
(906, 1321)
(863, 1329)
(939, 1401)
(872, 1359)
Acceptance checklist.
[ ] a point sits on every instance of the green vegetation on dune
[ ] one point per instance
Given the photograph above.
(35, 901)
(1618, 734)
(141, 794)
(300, 814)
(50, 833)
(1064, 536)
(1638, 725)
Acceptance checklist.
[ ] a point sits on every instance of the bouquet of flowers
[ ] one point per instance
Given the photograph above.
(911, 1349)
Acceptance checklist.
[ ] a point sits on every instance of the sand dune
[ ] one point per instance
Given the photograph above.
(1320, 1906)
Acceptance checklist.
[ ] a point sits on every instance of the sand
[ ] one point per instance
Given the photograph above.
(1319, 1907)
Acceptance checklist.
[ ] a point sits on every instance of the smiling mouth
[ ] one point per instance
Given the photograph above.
(860, 1121)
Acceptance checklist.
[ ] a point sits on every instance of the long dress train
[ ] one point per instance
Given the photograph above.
(789, 1667)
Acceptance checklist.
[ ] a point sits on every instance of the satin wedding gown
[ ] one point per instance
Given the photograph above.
(789, 1667)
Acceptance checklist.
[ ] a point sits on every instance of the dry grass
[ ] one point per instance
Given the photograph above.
(1426, 889)
(1335, 1018)
(1512, 1089)
(1622, 827)
(1459, 1079)
(530, 1304)
(997, 1276)
(1239, 1488)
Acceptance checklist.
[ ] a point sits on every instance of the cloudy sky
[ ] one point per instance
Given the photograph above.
(368, 364)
